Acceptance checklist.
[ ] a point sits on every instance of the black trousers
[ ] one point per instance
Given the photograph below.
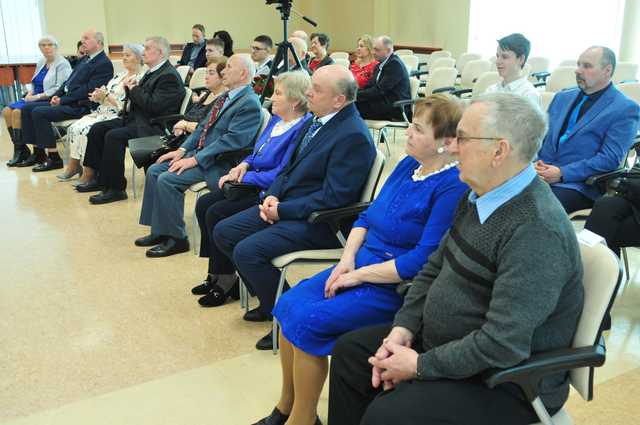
(612, 218)
(571, 200)
(212, 208)
(37, 118)
(106, 148)
(379, 111)
(353, 401)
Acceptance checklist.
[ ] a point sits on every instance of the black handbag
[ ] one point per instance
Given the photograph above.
(235, 191)
(146, 150)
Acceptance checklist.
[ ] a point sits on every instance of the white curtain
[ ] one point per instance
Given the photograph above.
(21, 29)
(558, 29)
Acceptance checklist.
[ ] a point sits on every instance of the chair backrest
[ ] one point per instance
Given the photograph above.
(545, 99)
(402, 52)
(442, 63)
(601, 280)
(568, 62)
(173, 60)
(561, 78)
(441, 77)
(472, 70)
(439, 54)
(118, 66)
(185, 100)
(343, 62)
(183, 71)
(625, 71)
(484, 81)
(526, 70)
(339, 55)
(410, 62)
(538, 63)
(464, 58)
(198, 78)
(265, 117)
(369, 189)
(631, 90)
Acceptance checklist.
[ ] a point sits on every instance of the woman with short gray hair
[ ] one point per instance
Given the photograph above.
(110, 99)
(51, 71)
(271, 153)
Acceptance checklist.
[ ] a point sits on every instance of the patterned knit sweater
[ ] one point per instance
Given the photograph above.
(492, 294)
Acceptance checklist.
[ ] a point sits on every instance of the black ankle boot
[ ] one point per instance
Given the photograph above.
(37, 157)
(20, 151)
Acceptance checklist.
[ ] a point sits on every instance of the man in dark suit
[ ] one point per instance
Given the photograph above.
(328, 169)
(159, 92)
(194, 54)
(389, 83)
(231, 126)
(70, 101)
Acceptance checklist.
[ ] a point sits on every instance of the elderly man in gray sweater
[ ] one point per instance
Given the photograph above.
(505, 283)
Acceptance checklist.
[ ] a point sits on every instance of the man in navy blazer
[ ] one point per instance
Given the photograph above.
(231, 125)
(195, 54)
(591, 129)
(328, 169)
(388, 84)
(70, 101)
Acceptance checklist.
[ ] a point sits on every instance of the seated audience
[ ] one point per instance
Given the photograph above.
(203, 102)
(306, 58)
(300, 48)
(476, 305)
(328, 169)
(271, 153)
(388, 244)
(159, 92)
(228, 42)
(230, 126)
(512, 54)
(194, 53)
(51, 72)
(214, 49)
(591, 129)
(319, 47)
(110, 100)
(80, 53)
(68, 102)
(615, 218)
(364, 64)
(261, 54)
(389, 83)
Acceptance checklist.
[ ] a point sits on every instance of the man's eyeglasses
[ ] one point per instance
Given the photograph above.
(464, 139)
(257, 49)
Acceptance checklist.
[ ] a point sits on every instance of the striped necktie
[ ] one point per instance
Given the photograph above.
(215, 111)
(310, 133)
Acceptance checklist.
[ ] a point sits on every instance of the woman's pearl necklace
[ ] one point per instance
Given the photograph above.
(417, 177)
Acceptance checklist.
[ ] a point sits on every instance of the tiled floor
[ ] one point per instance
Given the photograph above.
(93, 332)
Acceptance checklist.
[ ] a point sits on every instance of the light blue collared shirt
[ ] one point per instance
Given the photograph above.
(494, 199)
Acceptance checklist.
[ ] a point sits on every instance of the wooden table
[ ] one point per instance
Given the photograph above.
(14, 72)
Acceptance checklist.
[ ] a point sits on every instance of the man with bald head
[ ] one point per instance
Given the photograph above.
(388, 84)
(70, 101)
(327, 170)
(231, 126)
(591, 129)
(305, 58)
(300, 47)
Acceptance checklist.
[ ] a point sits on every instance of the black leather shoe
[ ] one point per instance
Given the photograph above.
(265, 343)
(214, 298)
(256, 315)
(205, 286)
(31, 160)
(21, 153)
(169, 247)
(275, 418)
(150, 240)
(48, 165)
(108, 196)
(90, 186)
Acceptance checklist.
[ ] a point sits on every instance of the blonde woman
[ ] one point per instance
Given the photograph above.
(362, 67)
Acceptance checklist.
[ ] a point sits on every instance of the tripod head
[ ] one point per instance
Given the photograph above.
(284, 6)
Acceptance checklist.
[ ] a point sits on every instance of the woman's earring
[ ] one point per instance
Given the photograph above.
(440, 150)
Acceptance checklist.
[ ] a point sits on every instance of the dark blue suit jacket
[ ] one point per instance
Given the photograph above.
(86, 77)
(330, 172)
(598, 142)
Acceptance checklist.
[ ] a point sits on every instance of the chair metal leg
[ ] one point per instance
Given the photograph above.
(382, 137)
(625, 258)
(541, 411)
(133, 182)
(244, 294)
(194, 227)
(274, 333)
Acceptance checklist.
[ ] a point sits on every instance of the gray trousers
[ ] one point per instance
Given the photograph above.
(163, 202)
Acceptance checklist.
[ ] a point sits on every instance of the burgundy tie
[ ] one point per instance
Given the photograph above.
(215, 111)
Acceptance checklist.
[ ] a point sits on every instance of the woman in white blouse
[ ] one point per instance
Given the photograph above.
(511, 56)
(110, 99)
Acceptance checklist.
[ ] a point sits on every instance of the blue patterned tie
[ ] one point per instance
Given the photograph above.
(309, 135)
(573, 119)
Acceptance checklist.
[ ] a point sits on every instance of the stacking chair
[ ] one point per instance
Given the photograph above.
(197, 82)
(339, 55)
(410, 62)
(539, 68)
(526, 70)
(545, 99)
(343, 62)
(402, 52)
(183, 71)
(173, 60)
(201, 188)
(63, 125)
(631, 90)
(568, 62)
(333, 218)
(625, 72)
(442, 79)
(563, 77)
(438, 63)
(166, 120)
(439, 54)
(602, 278)
(464, 58)
(482, 83)
(118, 67)
(472, 70)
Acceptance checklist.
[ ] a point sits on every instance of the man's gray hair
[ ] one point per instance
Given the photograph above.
(295, 85)
(162, 44)
(100, 38)
(51, 39)
(517, 119)
(248, 64)
(386, 41)
(348, 87)
(608, 58)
